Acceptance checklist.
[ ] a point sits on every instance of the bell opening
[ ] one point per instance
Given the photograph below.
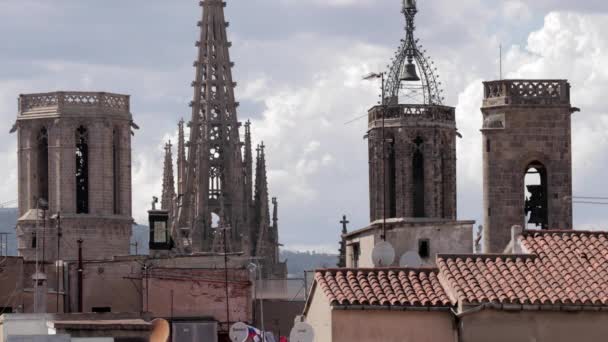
(536, 196)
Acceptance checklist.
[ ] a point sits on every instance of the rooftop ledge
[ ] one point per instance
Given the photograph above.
(413, 112)
(526, 93)
(73, 102)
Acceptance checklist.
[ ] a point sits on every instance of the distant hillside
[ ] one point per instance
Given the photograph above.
(8, 221)
(298, 262)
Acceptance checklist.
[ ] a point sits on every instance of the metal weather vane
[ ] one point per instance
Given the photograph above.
(412, 74)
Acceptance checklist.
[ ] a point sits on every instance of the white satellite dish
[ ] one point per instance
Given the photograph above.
(383, 254)
(410, 259)
(239, 332)
(302, 332)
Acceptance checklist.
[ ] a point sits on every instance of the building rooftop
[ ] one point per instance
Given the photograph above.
(557, 268)
(383, 287)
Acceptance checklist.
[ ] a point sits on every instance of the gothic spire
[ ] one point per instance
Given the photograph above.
(214, 165)
(168, 180)
(181, 158)
(248, 164)
(263, 247)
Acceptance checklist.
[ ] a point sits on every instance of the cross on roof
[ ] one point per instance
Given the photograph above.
(344, 222)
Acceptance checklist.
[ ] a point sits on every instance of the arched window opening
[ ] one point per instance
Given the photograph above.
(391, 183)
(418, 178)
(43, 164)
(82, 171)
(116, 170)
(535, 190)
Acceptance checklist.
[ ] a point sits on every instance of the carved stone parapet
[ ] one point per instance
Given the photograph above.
(74, 103)
(526, 93)
(412, 115)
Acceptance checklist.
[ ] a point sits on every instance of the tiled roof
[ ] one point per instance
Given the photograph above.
(383, 287)
(563, 268)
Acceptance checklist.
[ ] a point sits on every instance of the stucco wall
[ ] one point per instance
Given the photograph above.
(452, 237)
(319, 316)
(391, 326)
(198, 293)
(535, 326)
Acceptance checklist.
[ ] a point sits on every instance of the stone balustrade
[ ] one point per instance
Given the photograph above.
(78, 102)
(526, 93)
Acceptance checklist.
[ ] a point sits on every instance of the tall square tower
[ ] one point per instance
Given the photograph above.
(74, 162)
(526, 132)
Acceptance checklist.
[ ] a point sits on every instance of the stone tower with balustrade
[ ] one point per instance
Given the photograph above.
(74, 182)
(526, 130)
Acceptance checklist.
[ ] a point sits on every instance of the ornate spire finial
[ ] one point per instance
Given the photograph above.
(168, 180)
(412, 73)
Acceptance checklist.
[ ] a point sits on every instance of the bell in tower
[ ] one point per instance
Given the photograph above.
(409, 73)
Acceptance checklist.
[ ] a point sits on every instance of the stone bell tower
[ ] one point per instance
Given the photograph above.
(526, 131)
(74, 161)
(412, 139)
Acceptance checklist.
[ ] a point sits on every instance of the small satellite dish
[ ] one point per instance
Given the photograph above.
(383, 254)
(239, 332)
(301, 332)
(410, 259)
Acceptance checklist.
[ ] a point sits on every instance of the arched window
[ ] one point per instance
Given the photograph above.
(116, 170)
(43, 164)
(82, 171)
(418, 178)
(536, 196)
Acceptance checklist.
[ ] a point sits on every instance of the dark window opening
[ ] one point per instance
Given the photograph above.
(488, 146)
(418, 178)
(445, 189)
(43, 164)
(34, 240)
(356, 254)
(82, 171)
(536, 196)
(116, 170)
(391, 175)
(424, 248)
(102, 309)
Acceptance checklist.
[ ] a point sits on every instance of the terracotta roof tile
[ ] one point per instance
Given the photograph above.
(384, 287)
(563, 268)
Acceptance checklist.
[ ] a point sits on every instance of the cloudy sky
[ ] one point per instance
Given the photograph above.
(299, 65)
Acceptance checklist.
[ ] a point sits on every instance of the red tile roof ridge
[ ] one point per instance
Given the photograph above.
(487, 256)
(376, 269)
(528, 232)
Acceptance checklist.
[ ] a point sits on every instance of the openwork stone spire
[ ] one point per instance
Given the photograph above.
(181, 158)
(168, 180)
(217, 175)
(214, 153)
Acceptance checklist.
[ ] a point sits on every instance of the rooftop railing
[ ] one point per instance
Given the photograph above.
(60, 101)
(526, 92)
(413, 112)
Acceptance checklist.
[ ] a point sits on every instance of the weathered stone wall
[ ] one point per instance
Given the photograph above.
(436, 126)
(106, 228)
(524, 123)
